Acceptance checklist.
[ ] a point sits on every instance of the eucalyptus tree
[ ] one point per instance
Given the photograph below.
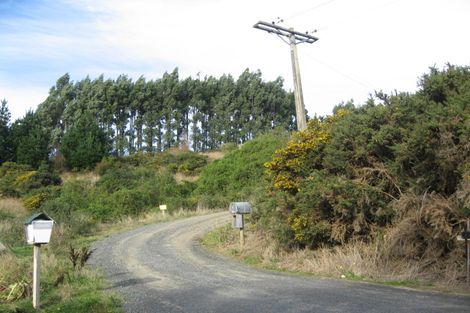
(5, 140)
(121, 104)
(153, 116)
(157, 114)
(51, 112)
(170, 82)
(98, 101)
(83, 94)
(182, 112)
(107, 112)
(219, 125)
(139, 99)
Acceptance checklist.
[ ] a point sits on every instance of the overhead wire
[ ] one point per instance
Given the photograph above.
(350, 77)
(362, 82)
(303, 12)
(355, 16)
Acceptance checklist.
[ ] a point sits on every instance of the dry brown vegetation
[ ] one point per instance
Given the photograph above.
(12, 206)
(214, 155)
(393, 257)
(180, 177)
(91, 177)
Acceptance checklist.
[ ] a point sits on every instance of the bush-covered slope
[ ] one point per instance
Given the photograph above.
(397, 168)
(240, 174)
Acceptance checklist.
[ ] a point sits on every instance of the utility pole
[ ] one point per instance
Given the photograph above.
(294, 39)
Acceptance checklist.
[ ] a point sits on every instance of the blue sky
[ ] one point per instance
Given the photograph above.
(364, 45)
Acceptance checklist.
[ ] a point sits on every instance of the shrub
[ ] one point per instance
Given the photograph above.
(74, 196)
(236, 175)
(341, 177)
(18, 179)
(9, 172)
(36, 198)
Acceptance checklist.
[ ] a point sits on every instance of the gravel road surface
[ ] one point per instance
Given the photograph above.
(162, 268)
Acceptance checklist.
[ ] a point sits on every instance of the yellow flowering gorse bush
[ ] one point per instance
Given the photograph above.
(288, 163)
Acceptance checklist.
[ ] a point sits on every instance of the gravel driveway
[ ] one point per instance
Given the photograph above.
(162, 268)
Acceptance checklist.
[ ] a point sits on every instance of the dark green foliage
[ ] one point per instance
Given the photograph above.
(122, 202)
(236, 176)
(121, 117)
(85, 144)
(185, 162)
(6, 153)
(19, 179)
(128, 186)
(394, 145)
(165, 113)
(30, 140)
(332, 209)
(74, 196)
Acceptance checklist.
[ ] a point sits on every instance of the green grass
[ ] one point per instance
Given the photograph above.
(22, 251)
(82, 293)
(80, 290)
(253, 260)
(352, 276)
(404, 283)
(217, 237)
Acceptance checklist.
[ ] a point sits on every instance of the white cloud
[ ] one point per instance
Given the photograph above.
(364, 45)
(22, 98)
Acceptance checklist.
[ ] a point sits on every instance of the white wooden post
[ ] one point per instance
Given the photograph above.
(36, 275)
(242, 235)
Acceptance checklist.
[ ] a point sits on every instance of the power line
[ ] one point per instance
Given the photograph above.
(310, 9)
(356, 80)
(357, 15)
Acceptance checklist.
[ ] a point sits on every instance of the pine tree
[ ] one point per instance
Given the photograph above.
(30, 140)
(85, 144)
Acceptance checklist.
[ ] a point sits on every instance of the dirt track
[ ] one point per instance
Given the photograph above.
(162, 268)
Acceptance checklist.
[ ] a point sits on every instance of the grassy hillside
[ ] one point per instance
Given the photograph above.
(119, 194)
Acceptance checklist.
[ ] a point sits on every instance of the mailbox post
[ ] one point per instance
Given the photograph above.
(238, 210)
(38, 229)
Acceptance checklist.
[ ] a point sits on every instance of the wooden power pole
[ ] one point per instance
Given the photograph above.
(294, 39)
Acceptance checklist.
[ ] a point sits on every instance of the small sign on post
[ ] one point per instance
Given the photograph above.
(38, 230)
(238, 209)
(163, 209)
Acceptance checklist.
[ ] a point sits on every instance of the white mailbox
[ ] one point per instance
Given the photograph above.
(38, 229)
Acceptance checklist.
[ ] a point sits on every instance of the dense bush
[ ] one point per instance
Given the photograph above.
(346, 175)
(124, 189)
(185, 162)
(19, 179)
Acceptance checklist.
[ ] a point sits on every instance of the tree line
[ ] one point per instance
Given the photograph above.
(146, 115)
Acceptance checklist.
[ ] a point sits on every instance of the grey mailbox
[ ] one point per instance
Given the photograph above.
(240, 208)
